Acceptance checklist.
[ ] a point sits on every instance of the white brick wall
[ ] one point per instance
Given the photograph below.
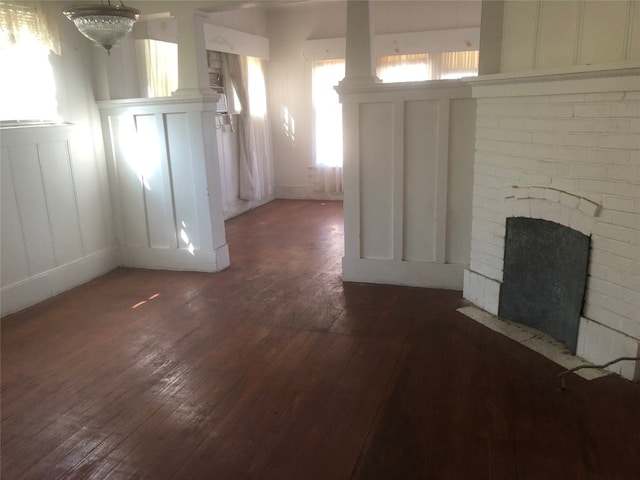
(574, 158)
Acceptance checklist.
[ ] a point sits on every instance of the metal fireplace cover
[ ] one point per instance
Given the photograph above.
(545, 275)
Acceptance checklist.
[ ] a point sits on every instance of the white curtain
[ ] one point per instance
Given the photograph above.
(427, 66)
(454, 64)
(256, 163)
(20, 23)
(327, 179)
(327, 169)
(27, 82)
(404, 68)
(159, 72)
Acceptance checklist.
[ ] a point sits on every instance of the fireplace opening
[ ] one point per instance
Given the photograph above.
(544, 278)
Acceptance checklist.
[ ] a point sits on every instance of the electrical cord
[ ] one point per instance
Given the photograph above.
(563, 375)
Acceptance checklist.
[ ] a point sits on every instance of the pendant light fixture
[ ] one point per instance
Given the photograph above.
(104, 24)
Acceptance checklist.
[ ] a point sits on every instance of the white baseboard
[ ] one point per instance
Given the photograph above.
(175, 259)
(30, 291)
(304, 193)
(239, 206)
(413, 274)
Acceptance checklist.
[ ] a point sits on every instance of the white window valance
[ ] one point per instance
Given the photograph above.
(21, 23)
(407, 43)
(227, 40)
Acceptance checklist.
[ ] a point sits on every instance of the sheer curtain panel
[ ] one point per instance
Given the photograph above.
(256, 163)
(427, 66)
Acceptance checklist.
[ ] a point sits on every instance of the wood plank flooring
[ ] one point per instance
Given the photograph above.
(275, 369)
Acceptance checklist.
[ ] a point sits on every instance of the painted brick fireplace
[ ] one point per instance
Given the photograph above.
(564, 146)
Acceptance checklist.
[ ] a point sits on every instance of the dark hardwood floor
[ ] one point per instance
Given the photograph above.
(275, 369)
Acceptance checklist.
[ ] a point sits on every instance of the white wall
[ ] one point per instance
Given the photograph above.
(290, 72)
(416, 16)
(547, 34)
(57, 229)
(247, 20)
(290, 88)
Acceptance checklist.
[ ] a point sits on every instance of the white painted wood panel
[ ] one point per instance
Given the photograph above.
(32, 207)
(61, 201)
(421, 157)
(130, 167)
(13, 251)
(351, 176)
(519, 35)
(633, 37)
(602, 40)
(183, 181)
(156, 181)
(93, 202)
(462, 116)
(557, 34)
(551, 34)
(375, 180)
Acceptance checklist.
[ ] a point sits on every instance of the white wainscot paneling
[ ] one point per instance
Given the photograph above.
(61, 202)
(32, 207)
(184, 183)
(43, 249)
(166, 183)
(420, 175)
(460, 180)
(14, 252)
(402, 181)
(375, 186)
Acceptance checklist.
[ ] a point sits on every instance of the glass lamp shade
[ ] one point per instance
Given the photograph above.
(103, 24)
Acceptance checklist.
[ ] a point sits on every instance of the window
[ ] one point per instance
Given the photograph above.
(427, 66)
(27, 84)
(327, 112)
(160, 73)
(257, 89)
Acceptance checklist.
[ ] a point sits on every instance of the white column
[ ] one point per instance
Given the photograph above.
(193, 81)
(193, 78)
(359, 62)
(359, 72)
(491, 37)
